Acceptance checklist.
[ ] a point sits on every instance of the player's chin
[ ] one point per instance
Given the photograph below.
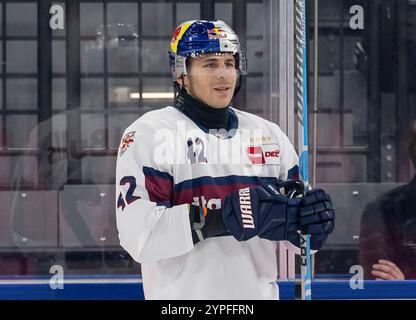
(220, 105)
(219, 102)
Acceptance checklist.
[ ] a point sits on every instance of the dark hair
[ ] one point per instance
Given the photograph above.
(188, 61)
(412, 143)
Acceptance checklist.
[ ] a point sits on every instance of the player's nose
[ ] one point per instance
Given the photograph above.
(223, 70)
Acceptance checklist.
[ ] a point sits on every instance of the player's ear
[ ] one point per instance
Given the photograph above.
(183, 81)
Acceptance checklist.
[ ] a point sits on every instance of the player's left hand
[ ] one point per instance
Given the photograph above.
(317, 217)
(387, 270)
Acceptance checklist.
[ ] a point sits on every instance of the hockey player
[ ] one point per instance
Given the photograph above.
(199, 202)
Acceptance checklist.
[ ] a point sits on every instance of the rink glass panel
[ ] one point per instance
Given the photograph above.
(366, 108)
(66, 98)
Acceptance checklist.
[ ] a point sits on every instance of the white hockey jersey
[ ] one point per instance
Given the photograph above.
(165, 162)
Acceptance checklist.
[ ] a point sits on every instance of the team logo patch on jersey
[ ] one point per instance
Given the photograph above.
(127, 141)
(265, 154)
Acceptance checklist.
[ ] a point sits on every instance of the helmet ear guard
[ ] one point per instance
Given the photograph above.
(241, 62)
(180, 66)
(177, 65)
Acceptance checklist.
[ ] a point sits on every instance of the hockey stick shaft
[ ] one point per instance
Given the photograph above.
(302, 115)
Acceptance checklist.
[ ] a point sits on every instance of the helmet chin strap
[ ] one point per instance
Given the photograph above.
(183, 81)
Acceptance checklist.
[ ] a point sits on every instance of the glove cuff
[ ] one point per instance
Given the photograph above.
(206, 225)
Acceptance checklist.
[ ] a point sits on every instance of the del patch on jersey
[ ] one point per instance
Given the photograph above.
(266, 154)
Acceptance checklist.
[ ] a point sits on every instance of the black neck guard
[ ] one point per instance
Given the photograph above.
(201, 113)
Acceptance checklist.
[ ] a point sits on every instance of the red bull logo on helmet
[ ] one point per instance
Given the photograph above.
(177, 35)
(217, 33)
